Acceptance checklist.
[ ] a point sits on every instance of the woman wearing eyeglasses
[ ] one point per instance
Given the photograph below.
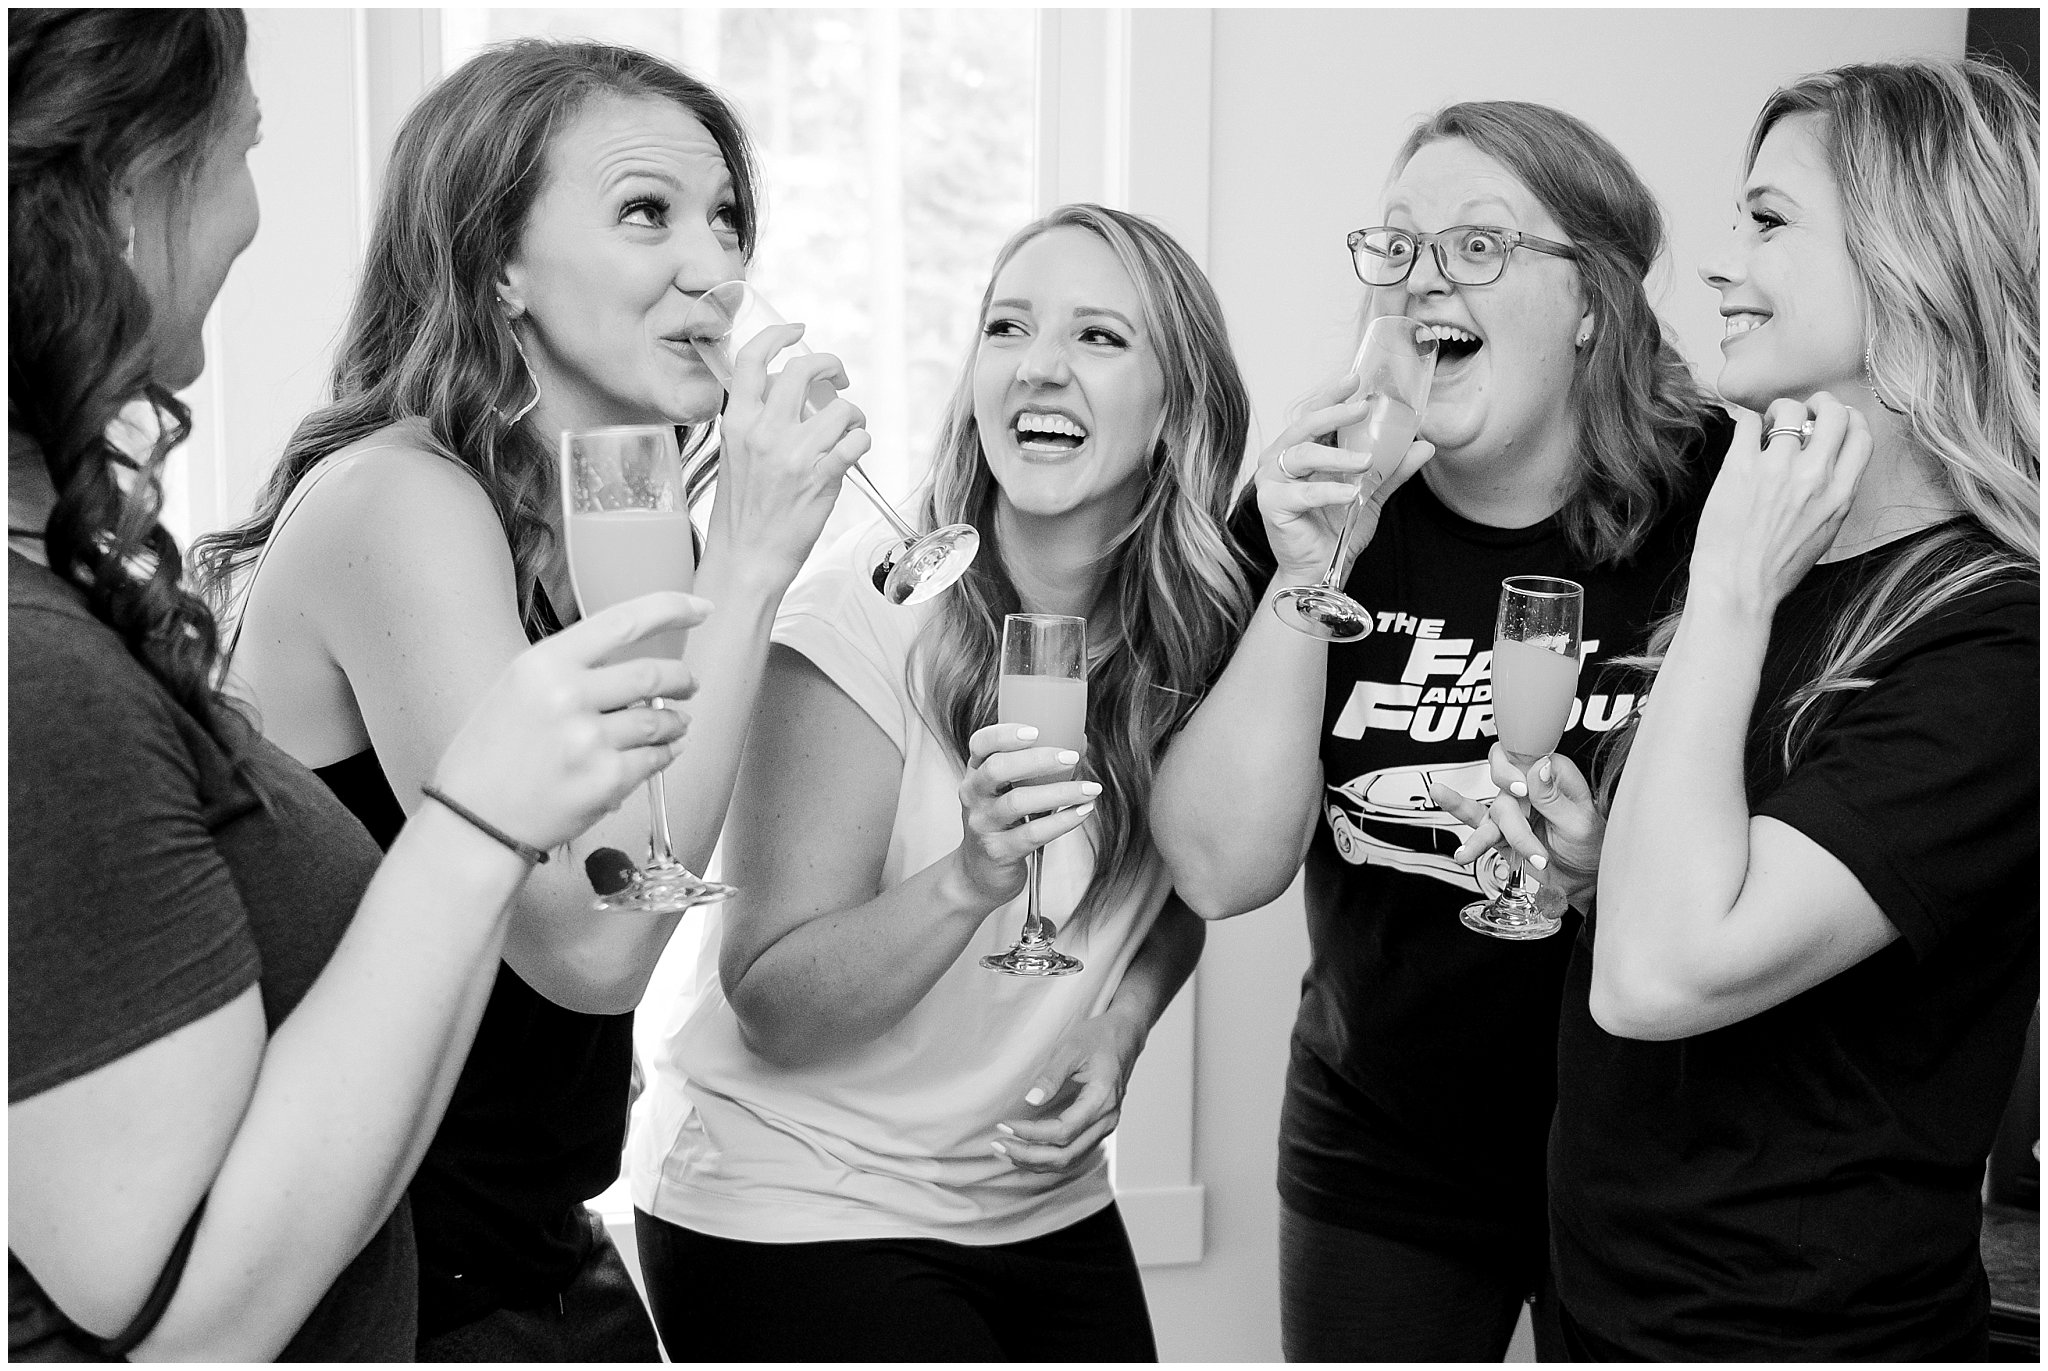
(1563, 437)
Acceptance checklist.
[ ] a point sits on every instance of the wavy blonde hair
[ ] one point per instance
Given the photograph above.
(1938, 164)
(1177, 579)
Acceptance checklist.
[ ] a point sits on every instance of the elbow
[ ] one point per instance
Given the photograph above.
(784, 1036)
(1640, 1006)
(1215, 887)
(1210, 902)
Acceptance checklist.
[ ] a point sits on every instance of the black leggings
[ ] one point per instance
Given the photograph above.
(1348, 1295)
(1073, 1295)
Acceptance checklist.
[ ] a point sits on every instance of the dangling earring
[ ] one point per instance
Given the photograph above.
(128, 253)
(533, 380)
(1870, 380)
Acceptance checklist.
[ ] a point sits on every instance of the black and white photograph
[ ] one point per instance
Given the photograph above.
(975, 684)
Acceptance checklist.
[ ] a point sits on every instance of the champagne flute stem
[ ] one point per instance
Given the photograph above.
(867, 488)
(1034, 926)
(659, 851)
(1329, 581)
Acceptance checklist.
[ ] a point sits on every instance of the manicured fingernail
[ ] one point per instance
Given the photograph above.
(1000, 1149)
(1008, 1131)
(1540, 862)
(1543, 772)
(1035, 1095)
(1090, 788)
(1084, 810)
(1067, 758)
(1026, 732)
(1517, 788)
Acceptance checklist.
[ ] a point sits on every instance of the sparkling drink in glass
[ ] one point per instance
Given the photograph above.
(626, 520)
(1396, 360)
(1535, 676)
(1044, 683)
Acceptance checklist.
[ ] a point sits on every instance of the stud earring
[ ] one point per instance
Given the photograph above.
(1585, 336)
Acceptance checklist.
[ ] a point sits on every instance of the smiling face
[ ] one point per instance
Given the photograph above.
(1504, 374)
(186, 238)
(636, 218)
(1068, 390)
(1789, 291)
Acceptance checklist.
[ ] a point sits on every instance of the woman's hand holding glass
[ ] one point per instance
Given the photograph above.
(1777, 505)
(561, 739)
(1306, 485)
(780, 471)
(1567, 848)
(1076, 1098)
(1015, 799)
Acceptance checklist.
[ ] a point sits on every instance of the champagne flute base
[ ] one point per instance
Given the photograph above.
(1512, 919)
(666, 890)
(1033, 957)
(914, 570)
(1322, 612)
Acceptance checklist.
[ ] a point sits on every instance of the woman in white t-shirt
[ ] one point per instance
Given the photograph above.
(862, 1145)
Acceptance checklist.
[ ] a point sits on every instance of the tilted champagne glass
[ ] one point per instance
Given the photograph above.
(721, 322)
(1396, 360)
(1044, 683)
(1535, 677)
(626, 521)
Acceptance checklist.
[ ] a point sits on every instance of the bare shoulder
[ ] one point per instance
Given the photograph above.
(395, 503)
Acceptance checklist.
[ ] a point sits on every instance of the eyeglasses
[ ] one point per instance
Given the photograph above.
(1467, 254)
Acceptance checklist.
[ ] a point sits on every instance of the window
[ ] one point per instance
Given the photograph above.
(887, 137)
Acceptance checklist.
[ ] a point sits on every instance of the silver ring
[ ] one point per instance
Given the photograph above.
(1281, 462)
(1800, 431)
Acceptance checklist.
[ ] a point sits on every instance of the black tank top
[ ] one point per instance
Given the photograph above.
(535, 1127)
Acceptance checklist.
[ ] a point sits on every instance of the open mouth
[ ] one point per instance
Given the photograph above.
(1042, 432)
(1740, 321)
(1454, 344)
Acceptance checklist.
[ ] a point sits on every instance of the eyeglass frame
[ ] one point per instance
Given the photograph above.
(1514, 238)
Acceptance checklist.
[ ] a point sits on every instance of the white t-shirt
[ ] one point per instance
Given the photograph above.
(891, 1140)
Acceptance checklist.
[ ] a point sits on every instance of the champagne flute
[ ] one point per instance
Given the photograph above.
(1395, 363)
(1535, 676)
(1044, 683)
(626, 520)
(912, 569)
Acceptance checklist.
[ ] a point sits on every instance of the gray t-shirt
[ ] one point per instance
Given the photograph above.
(152, 878)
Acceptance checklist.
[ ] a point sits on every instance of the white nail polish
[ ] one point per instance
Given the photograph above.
(1067, 758)
(1025, 732)
(1034, 1096)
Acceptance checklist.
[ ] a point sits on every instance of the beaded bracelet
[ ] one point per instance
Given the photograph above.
(486, 827)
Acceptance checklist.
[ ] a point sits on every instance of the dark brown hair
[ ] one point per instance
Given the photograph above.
(96, 99)
(425, 338)
(1637, 405)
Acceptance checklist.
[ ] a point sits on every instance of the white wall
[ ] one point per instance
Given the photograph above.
(1306, 110)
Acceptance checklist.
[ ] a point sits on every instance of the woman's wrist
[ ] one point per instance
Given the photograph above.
(463, 857)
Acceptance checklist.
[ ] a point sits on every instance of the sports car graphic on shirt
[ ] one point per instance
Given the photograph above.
(1387, 818)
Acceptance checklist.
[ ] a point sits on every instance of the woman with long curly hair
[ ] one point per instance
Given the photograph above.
(862, 1144)
(550, 212)
(1793, 1026)
(231, 1027)
(1568, 440)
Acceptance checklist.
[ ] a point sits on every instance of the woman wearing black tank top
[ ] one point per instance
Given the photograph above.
(550, 212)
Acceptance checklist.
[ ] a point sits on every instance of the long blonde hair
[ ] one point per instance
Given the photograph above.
(1938, 164)
(1176, 577)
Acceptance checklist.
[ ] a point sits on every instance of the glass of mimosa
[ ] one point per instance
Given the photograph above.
(1535, 676)
(910, 570)
(1396, 360)
(1044, 683)
(626, 521)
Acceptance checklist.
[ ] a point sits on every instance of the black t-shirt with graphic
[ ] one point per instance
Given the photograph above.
(1422, 1068)
(1805, 1183)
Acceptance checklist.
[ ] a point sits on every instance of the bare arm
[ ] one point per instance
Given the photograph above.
(1078, 1094)
(817, 957)
(302, 1142)
(1236, 798)
(1707, 914)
